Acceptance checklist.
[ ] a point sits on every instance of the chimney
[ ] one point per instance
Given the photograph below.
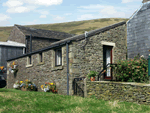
(144, 1)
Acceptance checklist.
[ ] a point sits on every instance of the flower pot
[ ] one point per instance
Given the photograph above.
(92, 78)
(15, 66)
(23, 89)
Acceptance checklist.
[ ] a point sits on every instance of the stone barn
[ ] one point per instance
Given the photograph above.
(74, 57)
(138, 31)
(37, 38)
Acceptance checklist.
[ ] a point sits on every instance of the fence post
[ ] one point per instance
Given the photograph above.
(149, 67)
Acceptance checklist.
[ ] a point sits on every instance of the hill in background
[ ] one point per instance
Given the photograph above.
(75, 27)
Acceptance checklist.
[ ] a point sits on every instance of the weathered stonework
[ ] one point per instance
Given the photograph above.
(84, 55)
(91, 56)
(122, 91)
(16, 35)
(39, 73)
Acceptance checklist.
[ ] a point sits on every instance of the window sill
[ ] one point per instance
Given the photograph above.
(40, 63)
(29, 65)
(57, 68)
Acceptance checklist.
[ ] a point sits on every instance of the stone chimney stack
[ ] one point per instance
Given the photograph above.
(144, 1)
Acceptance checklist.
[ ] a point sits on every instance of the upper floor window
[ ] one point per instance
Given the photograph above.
(58, 57)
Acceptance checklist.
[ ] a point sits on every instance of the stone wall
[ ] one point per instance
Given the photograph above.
(16, 35)
(138, 31)
(39, 73)
(88, 55)
(122, 91)
(83, 57)
(38, 43)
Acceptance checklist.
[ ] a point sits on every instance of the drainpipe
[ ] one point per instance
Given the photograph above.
(30, 43)
(67, 58)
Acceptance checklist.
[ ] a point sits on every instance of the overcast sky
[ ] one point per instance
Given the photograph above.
(28, 12)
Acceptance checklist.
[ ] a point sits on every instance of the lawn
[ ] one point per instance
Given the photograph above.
(16, 101)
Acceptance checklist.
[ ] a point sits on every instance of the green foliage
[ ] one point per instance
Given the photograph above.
(132, 70)
(92, 74)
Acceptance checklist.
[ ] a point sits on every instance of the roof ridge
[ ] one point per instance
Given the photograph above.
(41, 29)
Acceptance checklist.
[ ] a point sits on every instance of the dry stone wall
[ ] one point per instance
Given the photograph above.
(122, 91)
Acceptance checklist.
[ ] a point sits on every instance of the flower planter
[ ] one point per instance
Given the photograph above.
(15, 66)
(92, 78)
(25, 89)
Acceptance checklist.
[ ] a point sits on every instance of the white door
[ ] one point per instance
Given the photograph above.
(108, 61)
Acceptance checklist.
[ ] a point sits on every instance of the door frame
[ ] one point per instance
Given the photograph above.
(105, 47)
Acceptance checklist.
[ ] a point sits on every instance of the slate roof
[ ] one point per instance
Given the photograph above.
(43, 33)
(74, 38)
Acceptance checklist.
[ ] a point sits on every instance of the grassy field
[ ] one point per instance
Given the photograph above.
(16, 101)
(75, 27)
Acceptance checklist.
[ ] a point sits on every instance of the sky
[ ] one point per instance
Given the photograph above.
(32, 12)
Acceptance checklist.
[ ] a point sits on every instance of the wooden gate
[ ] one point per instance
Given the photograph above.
(78, 86)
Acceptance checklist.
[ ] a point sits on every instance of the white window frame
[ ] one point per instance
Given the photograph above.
(58, 57)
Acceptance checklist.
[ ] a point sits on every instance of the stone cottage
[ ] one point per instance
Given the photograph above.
(138, 31)
(37, 38)
(72, 57)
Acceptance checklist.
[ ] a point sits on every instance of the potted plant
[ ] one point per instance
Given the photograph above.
(92, 75)
(49, 87)
(28, 86)
(17, 85)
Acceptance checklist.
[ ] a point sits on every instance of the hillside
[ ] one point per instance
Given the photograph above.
(75, 27)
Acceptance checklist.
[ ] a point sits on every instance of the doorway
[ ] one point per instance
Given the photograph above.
(107, 58)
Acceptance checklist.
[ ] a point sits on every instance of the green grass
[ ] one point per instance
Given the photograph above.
(16, 101)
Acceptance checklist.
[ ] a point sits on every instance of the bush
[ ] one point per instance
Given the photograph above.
(132, 70)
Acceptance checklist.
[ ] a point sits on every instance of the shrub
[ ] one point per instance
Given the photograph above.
(132, 70)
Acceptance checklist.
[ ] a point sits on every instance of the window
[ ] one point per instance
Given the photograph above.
(58, 57)
(41, 57)
(29, 59)
(24, 50)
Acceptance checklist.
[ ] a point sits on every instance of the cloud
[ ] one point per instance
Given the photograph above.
(44, 2)
(43, 13)
(127, 1)
(68, 14)
(85, 17)
(43, 16)
(30, 23)
(4, 17)
(21, 9)
(58, 18)
(13, 3)
(4, 20)
(21, 6)
(107, 11)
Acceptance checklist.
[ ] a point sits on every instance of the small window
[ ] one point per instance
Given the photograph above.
(41, 57)
(58, 57)
(29, 59)
(24, 50)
